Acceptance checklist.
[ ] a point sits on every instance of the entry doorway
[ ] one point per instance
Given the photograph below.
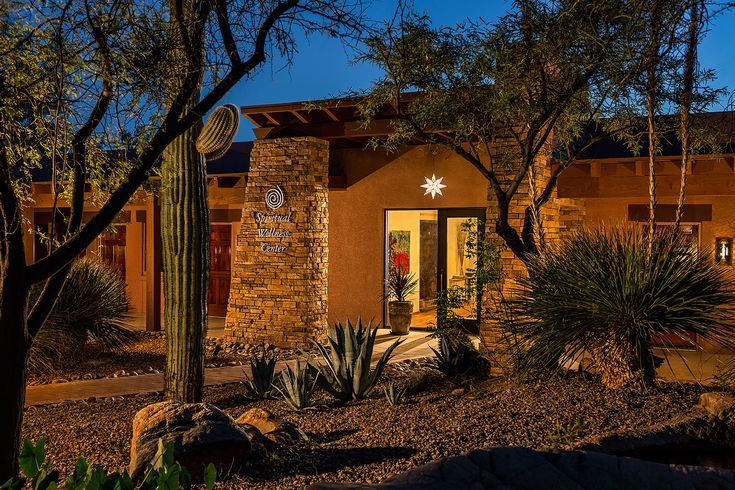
(437, 246)
(220, 268)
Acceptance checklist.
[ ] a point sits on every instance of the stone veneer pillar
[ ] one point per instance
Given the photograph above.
(511, 268)
(278, 293)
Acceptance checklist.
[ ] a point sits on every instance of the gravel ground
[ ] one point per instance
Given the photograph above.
(369, 441)
(146, 355)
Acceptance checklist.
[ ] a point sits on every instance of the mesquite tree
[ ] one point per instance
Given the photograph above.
(670, 81)
(541, 80)
(80, 86)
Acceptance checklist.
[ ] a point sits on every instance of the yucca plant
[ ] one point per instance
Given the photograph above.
(395, 395)
(400, 283)
(92, 305)
(454, 356)
(346, 373)
(603, 291)
(298, 384)
(259, 385)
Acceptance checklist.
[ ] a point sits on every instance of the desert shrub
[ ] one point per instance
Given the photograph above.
(92, 305)
(259, 385)
(456, 355)
(604, 292)
(345, 373)
(394, 394)
(163, 473)
(564, 435)
(297, 386)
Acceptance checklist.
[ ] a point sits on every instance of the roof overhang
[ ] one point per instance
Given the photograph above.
(338, 121)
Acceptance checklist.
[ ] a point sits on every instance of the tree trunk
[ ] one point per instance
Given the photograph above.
(690, 61)
(622, 362)
(185, 250)
(13, 355)
(652, 85)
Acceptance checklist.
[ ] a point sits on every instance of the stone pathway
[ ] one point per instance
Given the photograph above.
(414, 345)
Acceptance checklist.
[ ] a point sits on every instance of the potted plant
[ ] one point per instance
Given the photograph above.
(400, 285)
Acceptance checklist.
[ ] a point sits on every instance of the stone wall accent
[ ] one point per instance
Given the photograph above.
(491, 333)
(572, 212)
(279, 281)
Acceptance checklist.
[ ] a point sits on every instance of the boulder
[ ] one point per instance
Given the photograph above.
(504, 468)
(275, 429)
(717, 403)
(201, 434)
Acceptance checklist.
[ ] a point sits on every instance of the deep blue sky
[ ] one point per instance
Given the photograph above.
(322, 68)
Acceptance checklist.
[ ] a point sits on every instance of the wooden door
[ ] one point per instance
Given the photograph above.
(111, 249)
(220, 253)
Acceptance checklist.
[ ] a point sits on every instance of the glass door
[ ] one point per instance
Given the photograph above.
(437, 246)
(459, 232)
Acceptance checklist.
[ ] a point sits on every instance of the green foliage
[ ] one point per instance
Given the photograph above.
(486, 256)
(400, 283)
(394, 394)
(345, 373)
(602, 291)
(455, 355)
(564, 435)
(162, 474)
(558, 63)
(92, 306)
(299, 384)
(448, 301)
(263, 371)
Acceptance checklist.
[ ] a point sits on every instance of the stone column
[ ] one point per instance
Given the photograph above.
(511, 267)
(278, 293)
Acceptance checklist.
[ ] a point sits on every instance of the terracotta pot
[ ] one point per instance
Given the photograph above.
(399, 316)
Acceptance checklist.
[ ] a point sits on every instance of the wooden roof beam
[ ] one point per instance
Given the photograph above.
(330, 113)
(300, 117)
(271, 119)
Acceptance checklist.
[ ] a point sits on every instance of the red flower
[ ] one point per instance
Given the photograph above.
(402, 261)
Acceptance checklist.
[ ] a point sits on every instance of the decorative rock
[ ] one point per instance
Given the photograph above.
(201, 434)
(717, 403)
(272, 427)
(519, 467)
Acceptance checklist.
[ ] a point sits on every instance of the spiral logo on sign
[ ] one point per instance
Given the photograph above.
(274, 197)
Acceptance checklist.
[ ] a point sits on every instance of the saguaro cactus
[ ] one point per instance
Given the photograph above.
(217, 134)
(185, 241)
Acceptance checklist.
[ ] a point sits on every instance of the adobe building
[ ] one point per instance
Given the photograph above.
(306, 218)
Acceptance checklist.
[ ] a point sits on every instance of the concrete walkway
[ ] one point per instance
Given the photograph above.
(688, 366)
(414, 345)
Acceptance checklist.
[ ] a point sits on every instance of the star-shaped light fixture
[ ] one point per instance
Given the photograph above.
(433, 186)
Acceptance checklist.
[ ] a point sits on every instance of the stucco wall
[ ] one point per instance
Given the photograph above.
(357, 218)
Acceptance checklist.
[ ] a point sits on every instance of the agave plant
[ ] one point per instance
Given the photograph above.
(92, 305)
(394, 394)
(346, 373)
(606, 292)
(298, 386)
(259, 385)
(454, 357)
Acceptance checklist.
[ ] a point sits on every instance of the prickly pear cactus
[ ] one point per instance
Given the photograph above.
(218, 132)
